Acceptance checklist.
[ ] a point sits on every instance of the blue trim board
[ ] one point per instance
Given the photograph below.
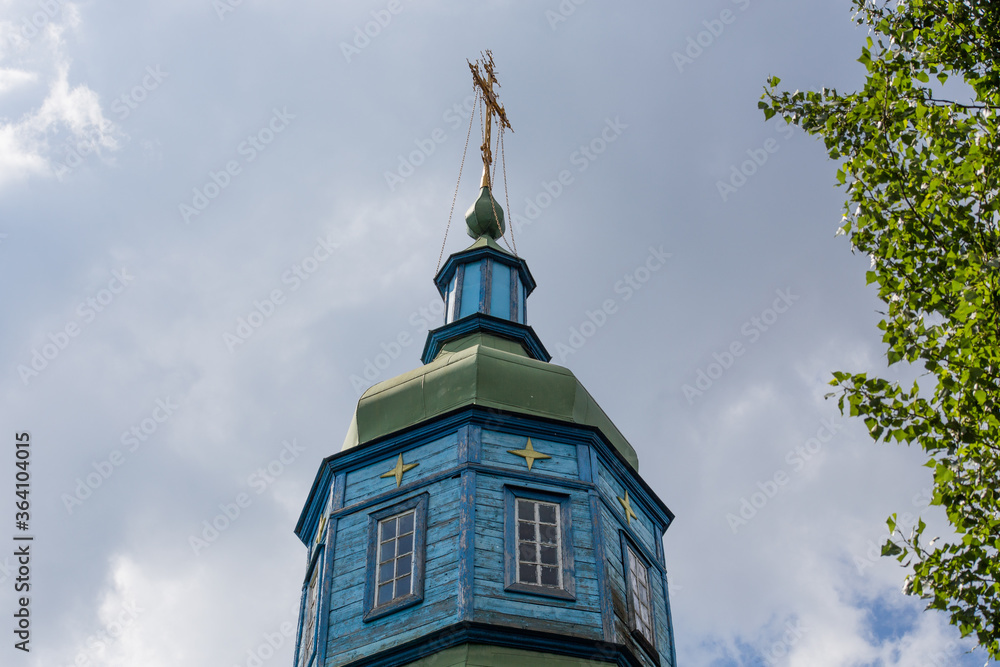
(325, 591)
(583, 463)
(467, 545)
(511, 585)
(314, 563)
(479, 321)
(587, 650)
(309, 516)
(600, 555)
(670, 618)
(373, 611)
(460, 259)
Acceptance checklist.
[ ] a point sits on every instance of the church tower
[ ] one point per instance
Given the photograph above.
(483, 509)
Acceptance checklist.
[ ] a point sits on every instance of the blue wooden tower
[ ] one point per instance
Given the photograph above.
(483, 509)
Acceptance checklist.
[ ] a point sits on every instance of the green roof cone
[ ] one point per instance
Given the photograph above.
(485, 216)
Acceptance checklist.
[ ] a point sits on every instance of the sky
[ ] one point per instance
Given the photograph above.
(215, 215)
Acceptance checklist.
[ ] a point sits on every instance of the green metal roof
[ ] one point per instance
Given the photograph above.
(484, 370)
(481, 655)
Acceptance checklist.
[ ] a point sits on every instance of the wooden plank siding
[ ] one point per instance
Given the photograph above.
(496, 446)
(349, 637)
(580, 617)
(641, 528)
(618, 587)
(433, 457)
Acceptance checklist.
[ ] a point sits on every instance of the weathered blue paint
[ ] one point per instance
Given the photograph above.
(465, 473)
(323, 612)
(337, 494)
(497, 446)
(459, 281)
(467, 545)
(583, 463)
(604, 588)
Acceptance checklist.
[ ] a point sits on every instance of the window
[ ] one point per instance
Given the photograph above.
(640, 596)
(539, 554)
(309, 620)
(538, 543)
(395, 578)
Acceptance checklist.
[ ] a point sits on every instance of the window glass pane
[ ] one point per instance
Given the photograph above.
(403, 565)
(450, 299)
(525, 530)
(549, 556)
(470, 289)
(547, 513)
(521, 305)
(538, 543)
(639, 593)
(500, 291)
(385, 593)
(396, 558)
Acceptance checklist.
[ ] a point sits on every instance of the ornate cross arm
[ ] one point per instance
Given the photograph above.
(484, 80)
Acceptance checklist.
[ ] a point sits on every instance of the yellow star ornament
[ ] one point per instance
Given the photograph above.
(528, 453)
(398, 471)
(629, 512)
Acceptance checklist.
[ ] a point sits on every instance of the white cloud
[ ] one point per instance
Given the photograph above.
(69, 122)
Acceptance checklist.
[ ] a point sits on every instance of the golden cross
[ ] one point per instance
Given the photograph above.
(528, 453)
(629, 512)
(398, 471)
(485, 80)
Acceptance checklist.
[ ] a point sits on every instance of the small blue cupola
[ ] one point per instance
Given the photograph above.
(485, 288)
